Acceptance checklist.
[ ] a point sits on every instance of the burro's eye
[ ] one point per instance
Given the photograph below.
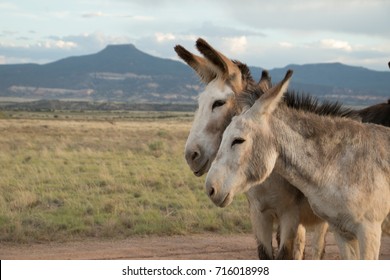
(237, 141)
(218, 103)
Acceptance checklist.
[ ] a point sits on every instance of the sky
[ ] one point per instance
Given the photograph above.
(266, 34)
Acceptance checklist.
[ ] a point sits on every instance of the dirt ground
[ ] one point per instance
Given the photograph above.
(194, 247)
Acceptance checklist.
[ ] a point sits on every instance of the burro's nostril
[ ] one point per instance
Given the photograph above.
(194, 156)
(211, 191)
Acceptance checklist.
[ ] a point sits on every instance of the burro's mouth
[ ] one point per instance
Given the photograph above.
(226, 201)
(202, 170)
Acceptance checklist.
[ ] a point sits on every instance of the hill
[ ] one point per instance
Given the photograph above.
(119, 72)
(122, 73)
(335, 81)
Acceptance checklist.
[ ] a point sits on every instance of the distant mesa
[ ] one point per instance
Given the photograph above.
(123, 73)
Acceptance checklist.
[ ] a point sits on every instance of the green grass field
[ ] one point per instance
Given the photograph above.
(69, 175)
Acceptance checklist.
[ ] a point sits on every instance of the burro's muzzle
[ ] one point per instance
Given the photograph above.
(197, 159)
(216, 189)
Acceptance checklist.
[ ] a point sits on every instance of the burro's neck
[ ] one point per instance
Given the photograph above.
(316, 151)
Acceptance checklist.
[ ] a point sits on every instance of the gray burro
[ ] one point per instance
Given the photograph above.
(230, 90)
(341, 165)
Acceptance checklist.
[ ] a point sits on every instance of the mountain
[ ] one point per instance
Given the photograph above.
(119, 72)
(124, 73)
(349, 84)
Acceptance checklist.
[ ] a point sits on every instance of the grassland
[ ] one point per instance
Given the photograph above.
(71, 175)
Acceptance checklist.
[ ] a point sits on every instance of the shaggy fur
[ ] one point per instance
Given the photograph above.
(205, 137)
(206, 134)
(342, 166)
(305, 102)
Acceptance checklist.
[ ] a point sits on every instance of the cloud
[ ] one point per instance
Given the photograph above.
(95, 40)
(210, 29)
(162, 37)
(50, 43)
(92, 15)
(258, 32)
(9, 32)
(8, 6)
(236, 45)
(54, 47)
(335, 44)
(349, 16)
(60, 44)
(143, 18)
(286, 45)
(273, 55)
(169, 38)
(99, 14)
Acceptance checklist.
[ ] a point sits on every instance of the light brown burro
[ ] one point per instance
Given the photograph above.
(342, 166)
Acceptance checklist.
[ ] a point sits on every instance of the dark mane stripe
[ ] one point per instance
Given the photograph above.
(311, 104)
(245, 72)
(300, 101)
(249, 96)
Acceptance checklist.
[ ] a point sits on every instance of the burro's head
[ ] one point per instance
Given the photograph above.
(248, 152)
(224, 79)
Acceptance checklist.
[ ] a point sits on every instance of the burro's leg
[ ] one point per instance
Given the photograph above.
(348, 246)
(262, 224)
(318, 240)
(386, 225)
(369, 237)
(289, 222)
(299, 243)
(263, 228)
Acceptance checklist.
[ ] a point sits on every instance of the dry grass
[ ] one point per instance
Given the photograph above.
(64, 177)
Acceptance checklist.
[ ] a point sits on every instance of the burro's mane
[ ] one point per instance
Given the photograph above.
(302, 102)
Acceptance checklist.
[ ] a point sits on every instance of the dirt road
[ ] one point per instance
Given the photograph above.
(202, 246)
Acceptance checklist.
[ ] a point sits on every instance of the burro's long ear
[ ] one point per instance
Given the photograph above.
(199, 64)
(265, 81)
(267, 103)
(224, 67)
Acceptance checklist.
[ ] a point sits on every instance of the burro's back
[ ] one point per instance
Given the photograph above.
(337, 151)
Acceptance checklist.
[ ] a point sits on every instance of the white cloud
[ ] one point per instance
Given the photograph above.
(258, 32)
(163, 37)
(92, 15)
(286, 45)
(210, 29)
(99, 14)
(143, 18)
(58, 44)
(347, 16)
(236, 45)
(94, 41)
(55, 47)
(8, 6)
(65, 45)
(335, 44)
